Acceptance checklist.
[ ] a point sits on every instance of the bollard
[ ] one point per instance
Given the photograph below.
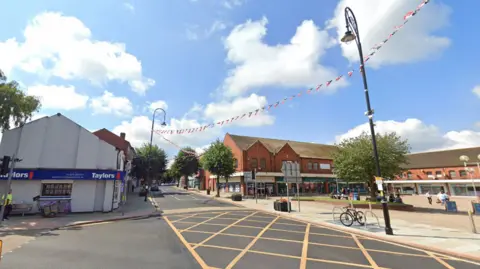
(351, 204)
(370, 206)
(472, 221)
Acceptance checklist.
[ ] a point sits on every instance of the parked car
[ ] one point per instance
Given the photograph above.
(154, 188)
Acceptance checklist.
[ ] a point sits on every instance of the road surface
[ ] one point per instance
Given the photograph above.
(199, 232)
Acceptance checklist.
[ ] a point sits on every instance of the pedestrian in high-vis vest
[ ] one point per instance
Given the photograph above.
(7, 203)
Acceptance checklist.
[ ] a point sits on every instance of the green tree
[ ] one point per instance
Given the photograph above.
(187, 164)
(354, 161)
(151, 162)
(218, 159)
(172, 173)
(15, 105)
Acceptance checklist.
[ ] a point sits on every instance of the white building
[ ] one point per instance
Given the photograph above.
(60, 160)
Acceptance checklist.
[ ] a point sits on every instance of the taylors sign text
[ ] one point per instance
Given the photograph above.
(16, 175)
(103, 176)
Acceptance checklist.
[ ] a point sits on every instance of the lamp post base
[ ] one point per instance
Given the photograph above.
(386, 216)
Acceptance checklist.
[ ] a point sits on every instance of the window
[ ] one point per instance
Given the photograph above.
(56, 189)
(463, 173)
(309, 166)
(254, 163)
(325, 166)
(315, 166)
(429, 173)
(263, 163)
(409, 174)
(438, 174)
(236, 163)
(452, 173)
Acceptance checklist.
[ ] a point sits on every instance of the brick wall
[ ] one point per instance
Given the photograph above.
(419, 174)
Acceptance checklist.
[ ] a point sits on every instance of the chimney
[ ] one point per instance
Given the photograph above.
(122, 135)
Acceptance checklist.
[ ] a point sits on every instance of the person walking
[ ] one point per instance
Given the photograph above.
(7, 203)
(429, 197)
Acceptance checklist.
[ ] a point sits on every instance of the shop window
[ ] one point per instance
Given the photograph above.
(236, 163)
(409, 174)
(315, 166)
(309, 166)
(263, 163)
(438, 174)
(452, 173)
(463, 173)
(254, 163)
(56, 189)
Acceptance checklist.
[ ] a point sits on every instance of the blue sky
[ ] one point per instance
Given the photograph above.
(95, 62)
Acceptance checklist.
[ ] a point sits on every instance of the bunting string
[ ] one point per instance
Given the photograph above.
(312, 90)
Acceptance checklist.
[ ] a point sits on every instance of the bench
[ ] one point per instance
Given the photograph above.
(21, 208)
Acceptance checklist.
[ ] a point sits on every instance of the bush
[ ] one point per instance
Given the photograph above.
(237, 197)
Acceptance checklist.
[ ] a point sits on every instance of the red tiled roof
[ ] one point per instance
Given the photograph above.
(112, 139)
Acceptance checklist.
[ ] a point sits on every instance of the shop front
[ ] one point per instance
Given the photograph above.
(233, 185)
(75, 190)
(317, 186)
(265, 185)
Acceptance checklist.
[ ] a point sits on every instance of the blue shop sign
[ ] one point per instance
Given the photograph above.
(66, 174)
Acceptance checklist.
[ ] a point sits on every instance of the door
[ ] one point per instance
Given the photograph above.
(99, 195)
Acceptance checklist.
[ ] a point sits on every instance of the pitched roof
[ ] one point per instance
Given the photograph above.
(112, 139)
(441, 159)
(304, 149)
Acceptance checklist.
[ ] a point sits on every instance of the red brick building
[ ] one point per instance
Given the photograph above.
(267, 156)
(440, 170)
(118, 141)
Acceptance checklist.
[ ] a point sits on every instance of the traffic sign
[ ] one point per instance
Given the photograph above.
(247, 176)
(291, 172)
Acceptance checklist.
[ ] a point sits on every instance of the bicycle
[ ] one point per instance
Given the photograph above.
(350, 215)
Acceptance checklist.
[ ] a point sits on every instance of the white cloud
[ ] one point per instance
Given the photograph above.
(138, 132)
(129, 7)
(191, 32)
(216, 26)
(111, 104)
(225, 110)
(421, 137)
(258, 64)
(58, 97)
(230, 4)
(62, 46)
(377, 19)
(476, 91)
(158, 104)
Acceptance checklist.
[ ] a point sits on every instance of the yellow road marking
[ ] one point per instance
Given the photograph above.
(365, 252)
(342, 263)
(440, 260)
(200, 223)
(303, 261)
(239, 256)
(183, 218)
(182, 239)
(224, 229)
(1, 248)
(93, 224)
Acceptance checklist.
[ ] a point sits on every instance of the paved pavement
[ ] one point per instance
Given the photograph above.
(145, 244)
(253, 239)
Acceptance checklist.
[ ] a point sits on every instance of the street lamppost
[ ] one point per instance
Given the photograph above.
(151, 135)
(465, 159)
(350, 35)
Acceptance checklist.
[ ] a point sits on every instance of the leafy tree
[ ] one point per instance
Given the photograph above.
(172, 173)
(150, 162)
(354, 161)
(218, 159)
(187, 164)
(15, 105)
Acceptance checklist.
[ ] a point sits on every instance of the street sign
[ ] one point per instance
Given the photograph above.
(247, 176)
(291, 172)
